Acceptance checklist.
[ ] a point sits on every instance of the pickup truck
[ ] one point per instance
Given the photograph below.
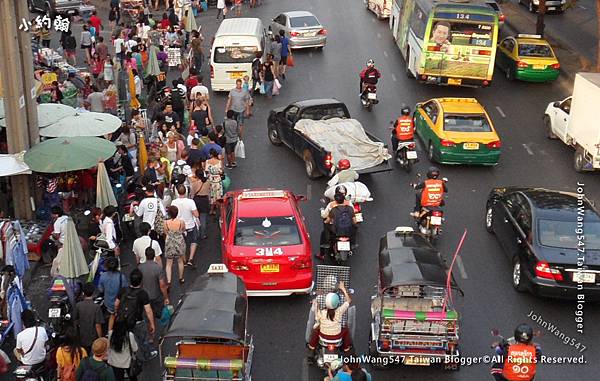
(55, 7)
(318, 161)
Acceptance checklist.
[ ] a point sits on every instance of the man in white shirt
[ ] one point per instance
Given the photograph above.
(108, 228)
(31, 342)
(60, 224)
(138, 83)
(149, 206)
(199, 89)
(129, 44)
(141, 244)
(120, 48)
(188, 214)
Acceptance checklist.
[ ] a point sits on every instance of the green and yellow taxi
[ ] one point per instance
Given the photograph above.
(527, 57)
(457, 131)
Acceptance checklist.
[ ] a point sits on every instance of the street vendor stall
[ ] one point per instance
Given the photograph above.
(131, 10)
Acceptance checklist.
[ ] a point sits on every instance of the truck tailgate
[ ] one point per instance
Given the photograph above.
(383, 167)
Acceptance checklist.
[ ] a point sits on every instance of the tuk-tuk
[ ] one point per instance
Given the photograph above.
(414, 322)
(207, 338)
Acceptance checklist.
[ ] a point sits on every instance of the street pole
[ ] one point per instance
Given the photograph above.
(539, 28)
(11, 71)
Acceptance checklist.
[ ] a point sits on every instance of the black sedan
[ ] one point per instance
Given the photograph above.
(552, 239)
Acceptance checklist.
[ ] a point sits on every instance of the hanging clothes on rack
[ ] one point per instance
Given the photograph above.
(18, 247)
(16, 305)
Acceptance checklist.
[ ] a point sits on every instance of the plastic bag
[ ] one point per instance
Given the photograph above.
(240, 150)
(226, 183)
(290, 61)
(165, 315)
(262, 89)
(276, 87)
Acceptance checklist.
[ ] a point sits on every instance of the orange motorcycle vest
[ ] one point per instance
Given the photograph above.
(520, 362)
(433, 193)
(405, 129)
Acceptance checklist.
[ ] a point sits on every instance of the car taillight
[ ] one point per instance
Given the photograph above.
(436, 213)
(385, 344)
(328, 160)
(239, 266)
(494, 144)
(543, 270)
(302, 264)
(486, 83)
(412, 146)
(502, 18)
(357, 208)
(555, 66)
(447, 143)
(294, 33)
(323, 32)
(522, 64)
(331, 347)
(212, 71)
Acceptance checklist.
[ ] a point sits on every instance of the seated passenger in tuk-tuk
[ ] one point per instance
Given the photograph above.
(328, 322)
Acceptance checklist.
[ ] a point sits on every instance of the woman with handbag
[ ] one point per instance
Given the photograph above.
(121, 352)
(175, 245)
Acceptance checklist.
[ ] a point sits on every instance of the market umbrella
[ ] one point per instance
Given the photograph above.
(13, 164)
(49, 113)
(72, 261)
(104, 192)
(190, 20)
(133, 103)
(152, 68)
(83, 124)
(68, 154)
(2, 115)
(142, 154)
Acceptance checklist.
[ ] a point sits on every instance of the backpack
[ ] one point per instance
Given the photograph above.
(90, 373)
(128, 308)
(342, 220)
(177, 100)
(177, 174)
(159, 220)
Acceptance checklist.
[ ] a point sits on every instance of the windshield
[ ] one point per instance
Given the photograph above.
(303, 22)
(447, 32)
(466, 123)
(561, 234)
(267, 231)
(235, 54)
(317, 113)
(534, 50)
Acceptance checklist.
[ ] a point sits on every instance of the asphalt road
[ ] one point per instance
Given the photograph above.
(483, 272)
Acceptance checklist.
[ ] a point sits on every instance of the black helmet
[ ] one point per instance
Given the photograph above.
(339, 198)
(433, 173)
(523, 334)
(341, 190)
(405, 110)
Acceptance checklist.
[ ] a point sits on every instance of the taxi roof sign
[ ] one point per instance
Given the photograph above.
(524, 35)
(217, 268)
(263, 194)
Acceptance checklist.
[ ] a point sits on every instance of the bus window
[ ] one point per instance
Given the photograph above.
(418, 22)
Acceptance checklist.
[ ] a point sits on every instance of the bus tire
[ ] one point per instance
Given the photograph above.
(409, 74)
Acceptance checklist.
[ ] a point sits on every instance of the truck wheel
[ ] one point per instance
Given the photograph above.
(409, 74)
(274, 136)
(489, 217)
(548, 126)
(579, 160)
(309, 166)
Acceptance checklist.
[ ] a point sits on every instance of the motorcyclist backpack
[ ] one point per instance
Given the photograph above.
(342, 220)
(177, 175)
(91, 373)
(128, 307)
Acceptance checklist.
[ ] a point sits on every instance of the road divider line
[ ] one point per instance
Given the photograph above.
(394, 77)
(308, 191)
(461, 267)
(385, 54)
(500, 111)
(528, 149)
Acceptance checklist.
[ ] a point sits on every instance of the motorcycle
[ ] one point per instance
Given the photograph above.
(430, 219)
(340, 247)
(497, 359)
(368, 97)
(62, 303)
(406, 153)
(134, 194)
(329, 352)
(30, 373)
(358, 193)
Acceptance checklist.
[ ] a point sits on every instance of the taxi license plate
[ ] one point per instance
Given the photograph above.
(580, 277)
(415, 360)
(411, 155)
(372, 96)
(343, 245)
(455, 81)
(551, 8)
(435, 220)
(358, 217)
(237, 74)
(54, 313)
(269, 268)
(539, 67)
(330, 357)
(471, 146)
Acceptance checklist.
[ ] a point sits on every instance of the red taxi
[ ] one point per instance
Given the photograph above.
(264, 241)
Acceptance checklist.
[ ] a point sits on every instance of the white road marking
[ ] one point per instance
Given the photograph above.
(385, 54)
(310, 54)
(461, 267)
(582, 7)
(308, 191)
(500, 111)
(378, 35)
(528, 149)
(394, 77)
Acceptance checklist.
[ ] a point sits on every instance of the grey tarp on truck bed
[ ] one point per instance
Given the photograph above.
(345, 139)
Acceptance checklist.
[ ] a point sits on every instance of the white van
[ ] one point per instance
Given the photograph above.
(235, 45)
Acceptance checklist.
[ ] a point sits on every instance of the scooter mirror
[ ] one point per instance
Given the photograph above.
(87, 213)
(445, 179)
(495, 332)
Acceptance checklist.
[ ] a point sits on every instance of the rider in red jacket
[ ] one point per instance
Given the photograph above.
(369, 76)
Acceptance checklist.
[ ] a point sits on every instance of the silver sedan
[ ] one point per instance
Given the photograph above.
(302, 28)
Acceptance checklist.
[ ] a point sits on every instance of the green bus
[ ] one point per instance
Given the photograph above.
(452, 42)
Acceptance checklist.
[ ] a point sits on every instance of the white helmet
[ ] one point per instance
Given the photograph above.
(370, 62)
(332, 301)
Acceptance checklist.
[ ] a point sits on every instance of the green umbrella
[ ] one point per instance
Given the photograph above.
(68, 154)
(190, 20)
(49, 113)
(152, 68)
(84, 124)
(104, 192)
(72, 263)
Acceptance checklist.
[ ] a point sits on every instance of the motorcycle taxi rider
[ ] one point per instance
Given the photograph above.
(328, 322)
(431, 192)
(368, 77)
(519, 359)
(404, 128)
(338, 205)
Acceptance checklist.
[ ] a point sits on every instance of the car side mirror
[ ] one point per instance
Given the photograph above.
(556, 104)
(300, 197)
